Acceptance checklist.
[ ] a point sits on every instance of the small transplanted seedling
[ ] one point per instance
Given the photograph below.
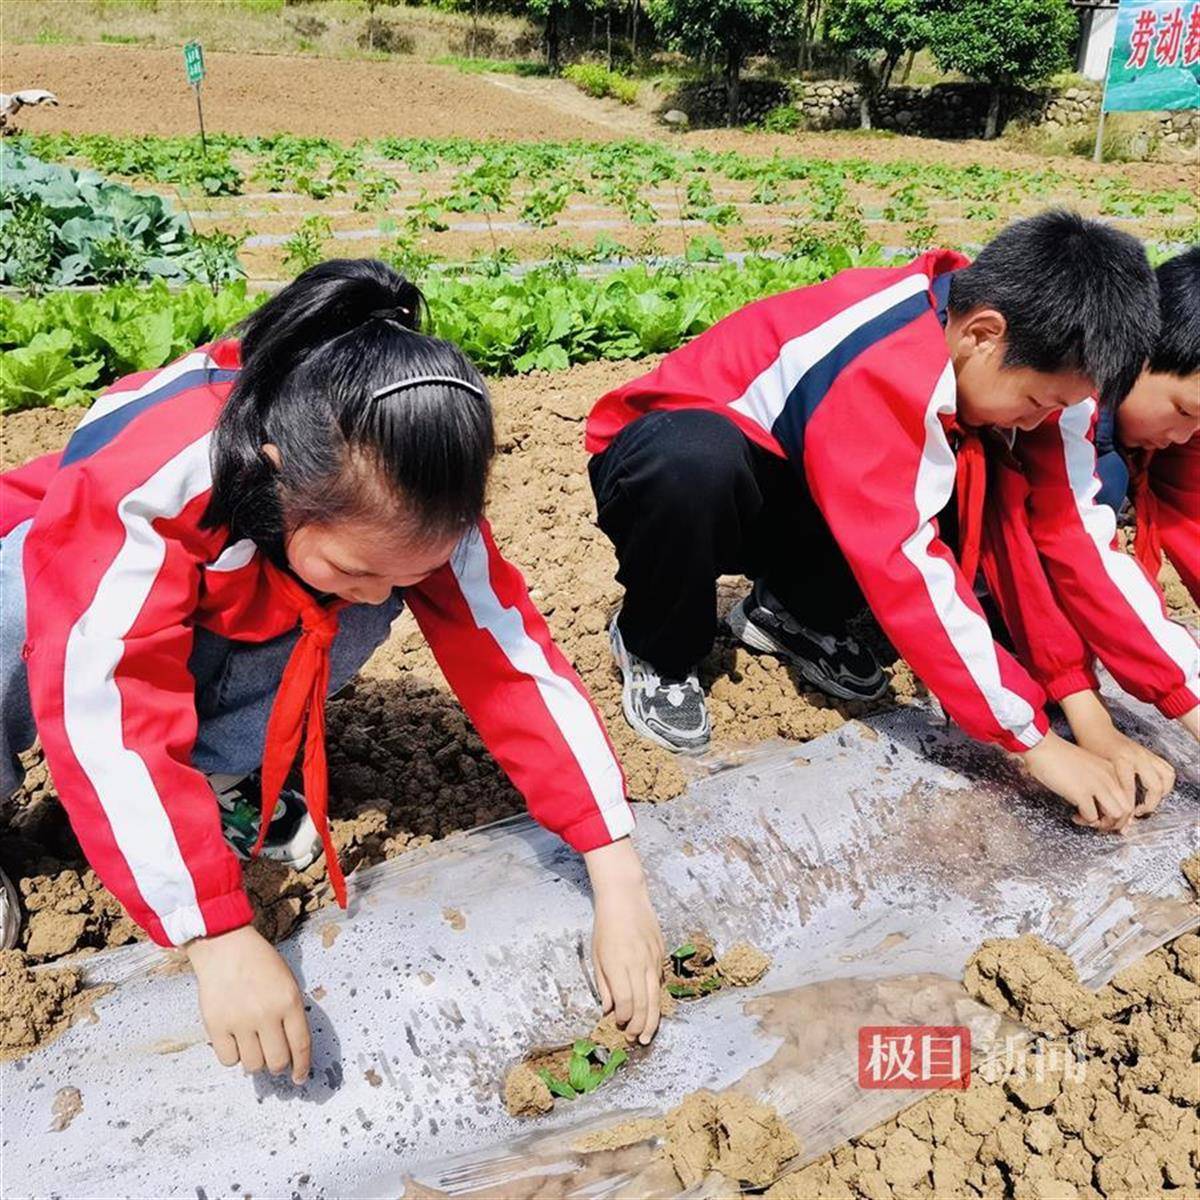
(694, 970)
(586, 1070)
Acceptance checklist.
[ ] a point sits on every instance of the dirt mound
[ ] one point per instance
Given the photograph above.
(730, 1133)
(136, 90)
(1107, 1108)
(1036, 983)
(35, 1007)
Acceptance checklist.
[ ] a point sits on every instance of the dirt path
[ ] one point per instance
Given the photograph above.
(132, 90)
(626, 120)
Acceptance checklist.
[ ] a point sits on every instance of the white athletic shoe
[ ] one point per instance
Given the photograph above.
(10, 913)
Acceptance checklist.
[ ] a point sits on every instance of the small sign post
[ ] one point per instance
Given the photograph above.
(193, 63)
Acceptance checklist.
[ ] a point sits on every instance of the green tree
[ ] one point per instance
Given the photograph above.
(877, 34)
(1004, 43)
(730, 29)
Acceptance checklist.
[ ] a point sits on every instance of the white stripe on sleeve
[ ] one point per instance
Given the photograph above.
(766, 396)
(967, 630)
(92, 710)
(576, 721)
(1100, 523)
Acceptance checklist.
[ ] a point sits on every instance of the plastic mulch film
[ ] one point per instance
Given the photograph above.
(869, 863)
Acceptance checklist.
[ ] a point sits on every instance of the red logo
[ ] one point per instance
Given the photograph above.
(914, 1056)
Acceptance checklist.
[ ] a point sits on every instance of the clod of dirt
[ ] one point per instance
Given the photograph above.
(68, 1104)
(525, 1093)
(728, 1132)
(1034, 982)
(1111, 1110)
(609, 1035)
(35, 1007)
(743, 964)
(1191, 871)
(617, 1137)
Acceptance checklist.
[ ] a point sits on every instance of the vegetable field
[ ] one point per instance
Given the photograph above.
(535, 255)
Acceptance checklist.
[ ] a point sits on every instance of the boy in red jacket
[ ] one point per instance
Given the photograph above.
(1050, 544)
(811, 441)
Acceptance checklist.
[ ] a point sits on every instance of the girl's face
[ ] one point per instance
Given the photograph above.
(362, 563)
(1162, 410)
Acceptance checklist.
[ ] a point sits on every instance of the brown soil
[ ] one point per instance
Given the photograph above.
(1191, 871)
(730, 1133)
(135, 90)
(743, 965)
(525, 1093)
(1106, 1107)
(35, 1007)
(1032, 981)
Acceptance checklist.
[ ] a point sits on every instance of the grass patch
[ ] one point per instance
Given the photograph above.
(598, 81)
(492, 66)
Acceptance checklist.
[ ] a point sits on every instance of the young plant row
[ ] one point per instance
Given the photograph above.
(486, 172)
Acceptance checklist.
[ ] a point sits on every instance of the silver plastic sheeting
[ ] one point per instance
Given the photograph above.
(869, 864)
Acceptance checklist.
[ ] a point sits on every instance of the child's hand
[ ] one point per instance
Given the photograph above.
(627, 944)
(1094, 730)
(251, 1005)
(1089, 784)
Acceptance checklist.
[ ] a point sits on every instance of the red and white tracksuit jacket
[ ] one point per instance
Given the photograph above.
(852, 382)
(1067, 593)
(118, 573)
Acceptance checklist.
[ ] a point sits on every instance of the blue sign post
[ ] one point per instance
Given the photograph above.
(1155, 62)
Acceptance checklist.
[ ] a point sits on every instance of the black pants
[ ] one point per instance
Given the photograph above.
(685, 497)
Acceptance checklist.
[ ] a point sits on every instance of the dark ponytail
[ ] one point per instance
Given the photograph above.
(313, 358)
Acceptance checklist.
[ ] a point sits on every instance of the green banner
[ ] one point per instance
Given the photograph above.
(1155, 63)
(193, 62)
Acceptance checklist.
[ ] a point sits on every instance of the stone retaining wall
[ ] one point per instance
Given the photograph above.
(949, 110)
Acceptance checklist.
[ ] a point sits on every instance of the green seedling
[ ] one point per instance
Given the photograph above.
(680, 955)
(585, 1070)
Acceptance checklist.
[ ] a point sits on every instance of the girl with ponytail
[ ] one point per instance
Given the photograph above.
(221, 545)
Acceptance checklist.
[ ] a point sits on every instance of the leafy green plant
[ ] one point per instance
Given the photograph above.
(43, 372)
(217, 256)
(60, 227)
(783, 118)
(587, 1070)
(27, 245)
(306, 247)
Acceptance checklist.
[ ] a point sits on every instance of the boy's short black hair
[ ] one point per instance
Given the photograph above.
(1078, 295)
(1177, 351)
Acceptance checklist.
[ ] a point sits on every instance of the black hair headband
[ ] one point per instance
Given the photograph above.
(401, 385)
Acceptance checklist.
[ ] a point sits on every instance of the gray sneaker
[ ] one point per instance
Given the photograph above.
(838, 666)
(670, 712)
(10, 913)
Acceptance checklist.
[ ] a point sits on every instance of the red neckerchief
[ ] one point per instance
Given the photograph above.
(970, 474)
(1147, 541)
(299, 710)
